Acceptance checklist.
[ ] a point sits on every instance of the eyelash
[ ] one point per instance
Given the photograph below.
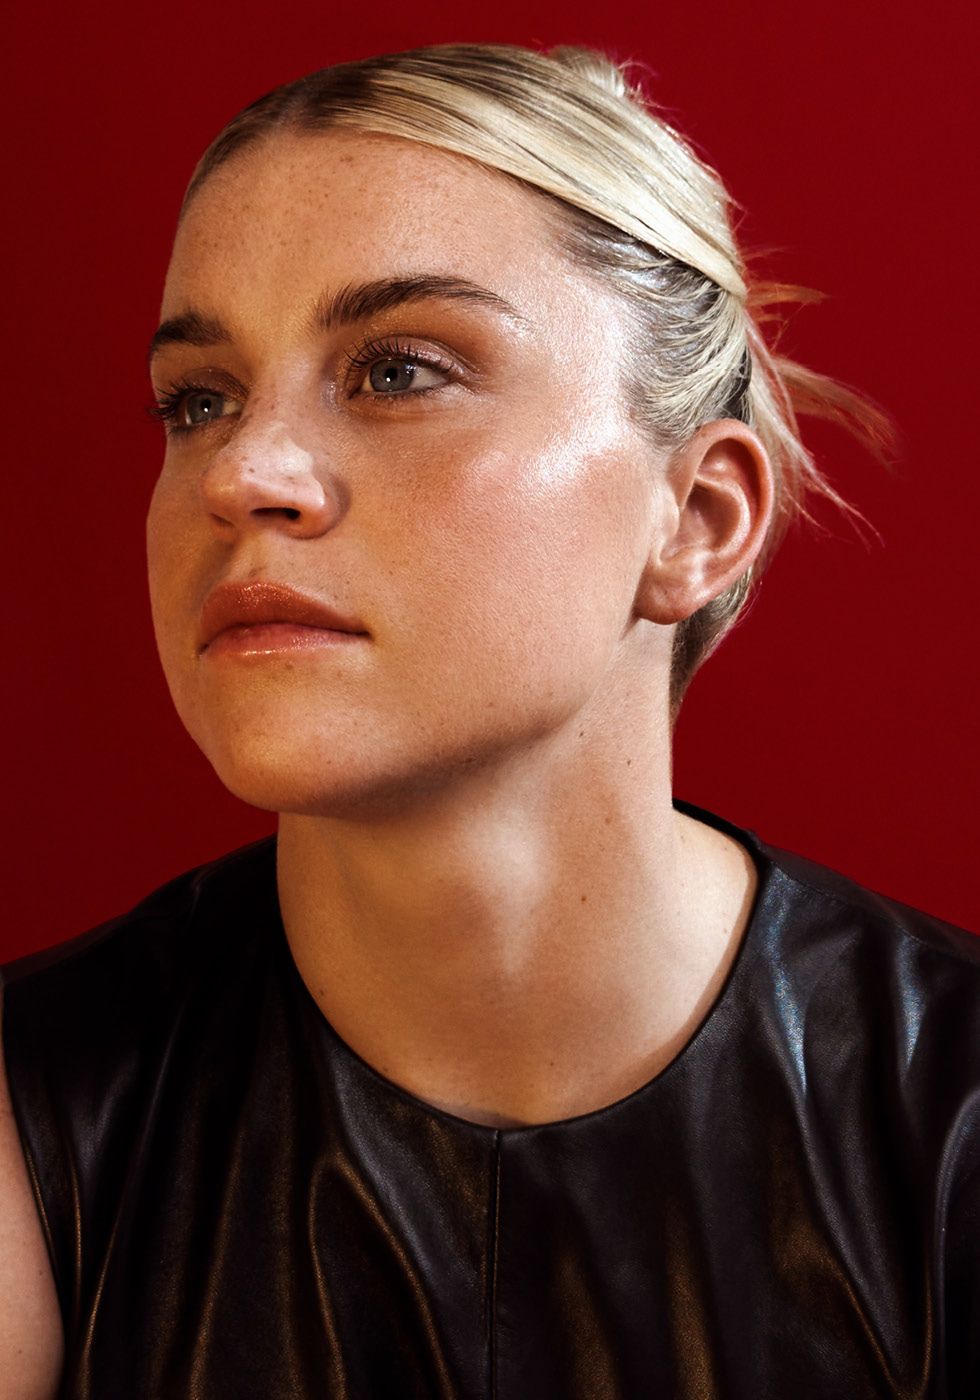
(392, 349)
(170, 402)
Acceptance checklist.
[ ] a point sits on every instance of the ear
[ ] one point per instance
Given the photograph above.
(717, 502)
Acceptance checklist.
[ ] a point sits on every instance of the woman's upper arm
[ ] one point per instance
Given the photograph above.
(31, 1335)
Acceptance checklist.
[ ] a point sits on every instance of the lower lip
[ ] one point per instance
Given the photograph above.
(273, 638)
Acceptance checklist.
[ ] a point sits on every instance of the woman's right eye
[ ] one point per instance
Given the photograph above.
(203, 407)
(184, 408)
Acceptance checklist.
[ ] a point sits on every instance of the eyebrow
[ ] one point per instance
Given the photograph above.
(190, 328)
(355, 302)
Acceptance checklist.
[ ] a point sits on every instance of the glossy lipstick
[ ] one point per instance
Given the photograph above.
(260, 618)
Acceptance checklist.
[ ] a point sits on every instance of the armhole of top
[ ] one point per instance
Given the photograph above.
(21, 1139)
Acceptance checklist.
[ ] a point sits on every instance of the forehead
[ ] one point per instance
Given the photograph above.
(298, 212)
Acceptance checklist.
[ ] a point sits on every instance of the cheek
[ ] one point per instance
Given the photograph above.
(178, 538)
(174, 557)
(162, 533)
(159, 533)
(525, 546)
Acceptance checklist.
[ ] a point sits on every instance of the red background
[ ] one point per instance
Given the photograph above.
(839, 720)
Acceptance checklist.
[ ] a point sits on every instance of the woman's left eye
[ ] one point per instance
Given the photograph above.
(391, 372)
(395, 376)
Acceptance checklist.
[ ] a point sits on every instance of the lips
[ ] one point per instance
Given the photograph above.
(238, 605)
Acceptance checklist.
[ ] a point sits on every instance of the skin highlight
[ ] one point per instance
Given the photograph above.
(482, 879)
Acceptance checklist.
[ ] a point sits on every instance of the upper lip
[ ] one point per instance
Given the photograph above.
(261, 600)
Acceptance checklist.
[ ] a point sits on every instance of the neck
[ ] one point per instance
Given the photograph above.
(525, 946)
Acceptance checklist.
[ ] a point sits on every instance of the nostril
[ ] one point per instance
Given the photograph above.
(290, 512)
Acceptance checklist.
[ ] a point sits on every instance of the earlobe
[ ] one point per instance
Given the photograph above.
(718, 501)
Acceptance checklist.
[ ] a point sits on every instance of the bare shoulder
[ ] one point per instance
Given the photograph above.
(31, 1335)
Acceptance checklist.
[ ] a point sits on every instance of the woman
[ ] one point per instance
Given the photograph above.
(499, 1072)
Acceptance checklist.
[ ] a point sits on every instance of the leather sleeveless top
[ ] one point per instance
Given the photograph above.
(239, 1208)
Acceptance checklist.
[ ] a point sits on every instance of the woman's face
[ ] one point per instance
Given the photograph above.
(451, 470)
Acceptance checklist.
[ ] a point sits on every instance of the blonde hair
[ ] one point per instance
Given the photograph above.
(636, 207)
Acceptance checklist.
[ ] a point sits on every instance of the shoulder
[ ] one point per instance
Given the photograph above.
(127, 981)
(886, 1002)
(898, 959)
(878, 1004)
(93, 1028)
(869, 1006)
(160, 926)
(825, 893)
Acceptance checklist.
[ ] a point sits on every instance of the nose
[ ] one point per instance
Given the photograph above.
(263, 479)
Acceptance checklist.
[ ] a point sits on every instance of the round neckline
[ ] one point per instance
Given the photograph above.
(737, 971)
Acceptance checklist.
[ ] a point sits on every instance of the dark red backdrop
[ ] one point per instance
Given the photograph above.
(839, 721)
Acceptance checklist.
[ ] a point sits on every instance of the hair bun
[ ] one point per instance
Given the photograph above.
(596, 67)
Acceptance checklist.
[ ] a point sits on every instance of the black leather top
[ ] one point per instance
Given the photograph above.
(239, 1208)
